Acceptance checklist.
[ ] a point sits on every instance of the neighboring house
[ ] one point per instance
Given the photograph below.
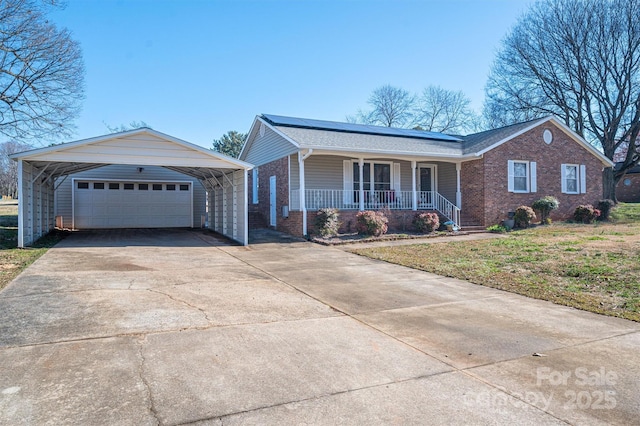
(628, 189)
(302, 165)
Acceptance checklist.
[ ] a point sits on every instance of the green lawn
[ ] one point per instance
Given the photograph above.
(591, 267)
(12, 259)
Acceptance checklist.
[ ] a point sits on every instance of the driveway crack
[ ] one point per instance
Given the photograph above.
(151, 406)
(183, 302)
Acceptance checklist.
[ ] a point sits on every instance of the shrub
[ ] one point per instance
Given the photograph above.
(327, 223)
(498, 229)
(524, 216)
(426, 222)
(545, 205)
(585, 213)
(371, 223)
(605, 207)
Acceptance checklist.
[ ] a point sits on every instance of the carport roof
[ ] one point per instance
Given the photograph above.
(144, 147)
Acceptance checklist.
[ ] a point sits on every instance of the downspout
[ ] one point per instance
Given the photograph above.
(303, 201)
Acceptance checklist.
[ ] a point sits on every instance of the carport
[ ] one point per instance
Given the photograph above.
(41, 172)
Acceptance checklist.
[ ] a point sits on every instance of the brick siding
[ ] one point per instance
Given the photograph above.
(472, 189)
(531, 147)
(260, 212)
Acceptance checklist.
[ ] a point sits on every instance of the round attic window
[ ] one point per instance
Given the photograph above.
(547, 136)
(627, 182)
(262, 129)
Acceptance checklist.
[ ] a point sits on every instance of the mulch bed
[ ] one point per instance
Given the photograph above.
(354, 238)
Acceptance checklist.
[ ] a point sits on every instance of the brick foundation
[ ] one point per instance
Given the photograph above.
(399, 220)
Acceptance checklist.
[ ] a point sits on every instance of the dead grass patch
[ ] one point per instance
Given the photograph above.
(12, 259)
(590, 267)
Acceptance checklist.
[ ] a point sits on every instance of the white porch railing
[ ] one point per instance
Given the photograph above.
(375, 200)
(447, 208)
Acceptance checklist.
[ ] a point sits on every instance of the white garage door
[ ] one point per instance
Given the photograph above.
(118, 204)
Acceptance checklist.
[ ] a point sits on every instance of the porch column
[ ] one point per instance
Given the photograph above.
(458, 192)
(361, 188)
(414, 195)
(303, 201)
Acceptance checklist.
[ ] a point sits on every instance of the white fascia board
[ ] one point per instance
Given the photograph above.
(418, 156)
(251, 141)
(246, 143)
(513, 135)
(278, 132)
(68, 145)
(57, 152)
(582, 142)
(573, 135)
(222, 157)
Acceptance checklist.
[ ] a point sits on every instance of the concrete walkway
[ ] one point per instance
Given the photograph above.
(178, 327)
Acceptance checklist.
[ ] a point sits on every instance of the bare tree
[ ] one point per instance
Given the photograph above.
(9, 168)
(578, 60)
(445, 111)
(41, 72)
(390, 107)
(133, 125)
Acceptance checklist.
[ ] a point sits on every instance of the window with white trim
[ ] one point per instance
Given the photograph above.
(255, 185)
(573, 178)
(374, 174)
(522, 176)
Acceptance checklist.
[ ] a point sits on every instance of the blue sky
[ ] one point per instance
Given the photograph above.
(196, 69)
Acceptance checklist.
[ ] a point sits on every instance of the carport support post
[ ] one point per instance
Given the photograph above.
(20, 205)
(245, 239)
(414, 194)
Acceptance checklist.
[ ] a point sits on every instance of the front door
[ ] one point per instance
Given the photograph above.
(427, 181)
(272, 201)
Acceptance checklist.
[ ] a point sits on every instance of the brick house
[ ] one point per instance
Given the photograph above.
(302, 165)
(628, 189)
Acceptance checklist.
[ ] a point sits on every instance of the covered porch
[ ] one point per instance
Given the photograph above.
(354, 182)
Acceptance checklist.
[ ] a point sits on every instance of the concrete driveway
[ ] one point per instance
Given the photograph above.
(178, 327)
